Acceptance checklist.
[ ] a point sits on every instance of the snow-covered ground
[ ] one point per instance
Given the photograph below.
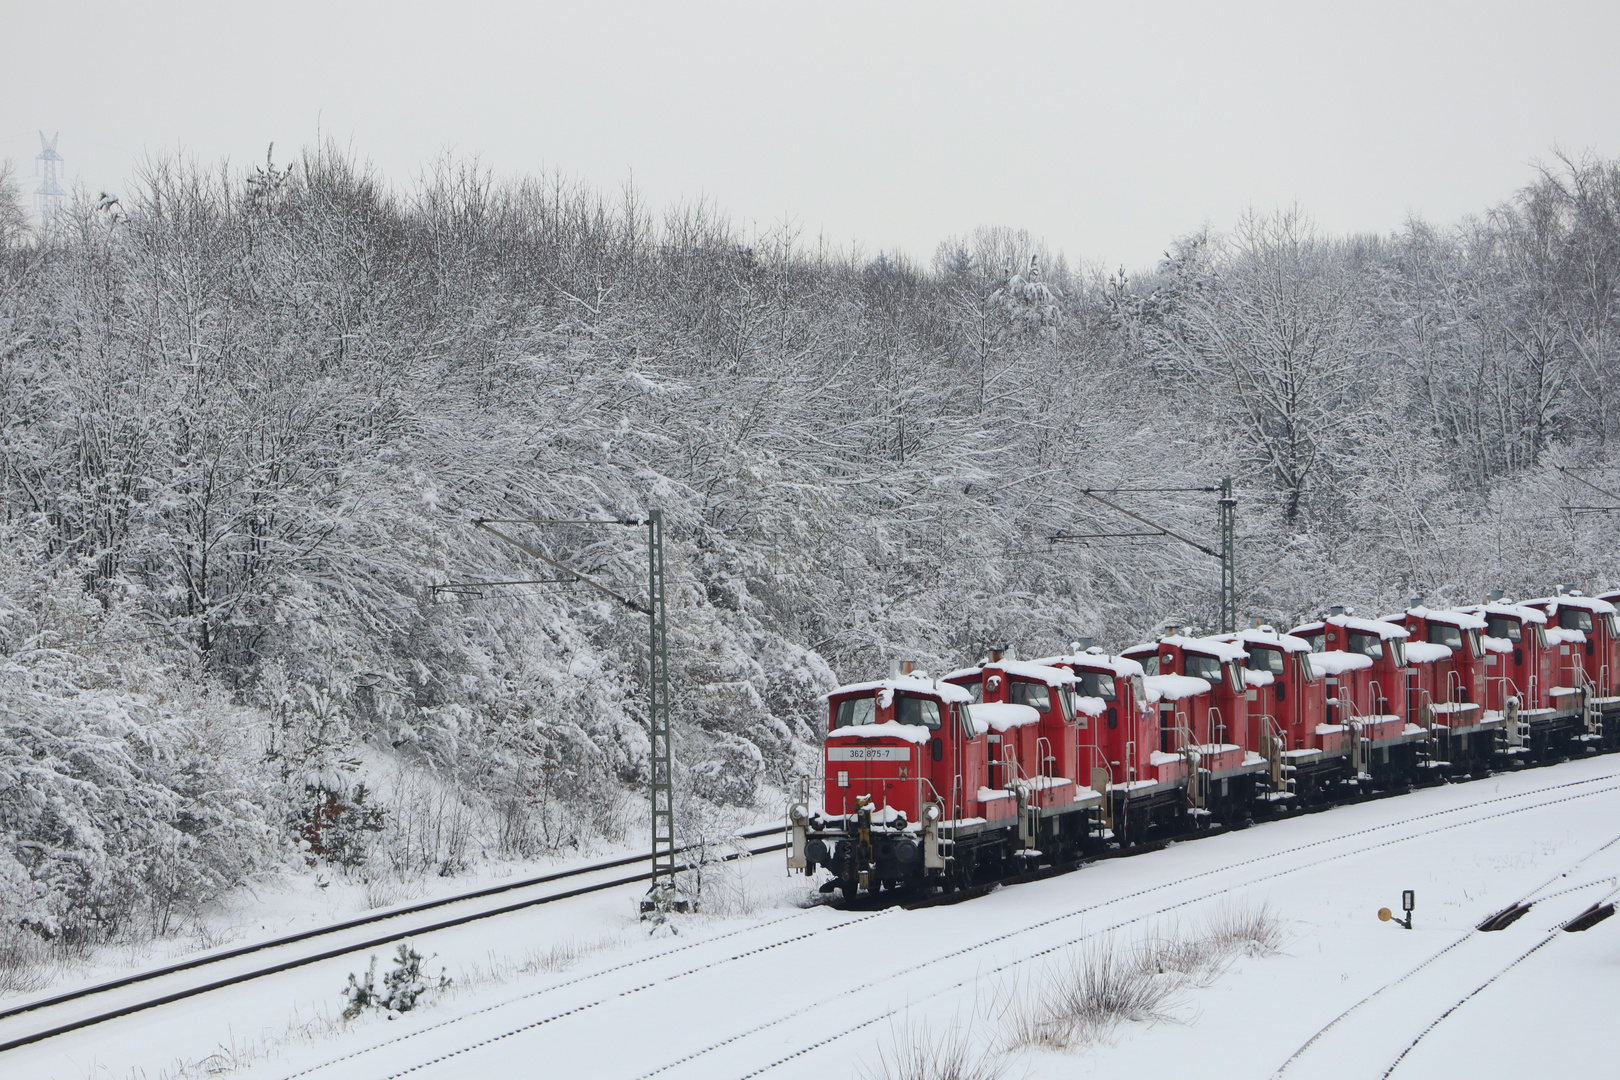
(766, 987)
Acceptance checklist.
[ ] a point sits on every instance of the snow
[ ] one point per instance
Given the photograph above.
(1123, 667)
(1337, 663)
(1265, 635)
(1051, 676)
(1258, 678)
(1557, 635)
(1462, 619)
(1495, 644)
(1384, 628)
(1091, 706)
(1175, 687)
(911, 684)
(1426, 652)
(1329, 729)
(1003, 716)
(912, 733)
(1225, 650)
(1521, 612)
(985, 794)
(1589, 603)
(1159, 757)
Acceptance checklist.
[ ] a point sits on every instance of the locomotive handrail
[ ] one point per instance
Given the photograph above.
(1454, 688)
(1217, 725)
(1041, 760)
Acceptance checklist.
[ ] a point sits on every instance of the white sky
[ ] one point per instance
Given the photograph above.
(1107, 129)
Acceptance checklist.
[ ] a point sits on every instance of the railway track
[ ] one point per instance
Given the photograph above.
(563, 1010)
(331, 940)
(1494, 923)
(980, 974)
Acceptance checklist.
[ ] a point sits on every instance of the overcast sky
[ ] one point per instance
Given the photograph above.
(1107, 129)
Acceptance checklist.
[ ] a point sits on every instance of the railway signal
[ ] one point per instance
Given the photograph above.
(1408, 902)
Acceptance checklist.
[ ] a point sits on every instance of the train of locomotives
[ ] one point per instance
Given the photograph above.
(933, 784)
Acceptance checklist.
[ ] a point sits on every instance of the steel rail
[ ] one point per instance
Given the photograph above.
(303, 960)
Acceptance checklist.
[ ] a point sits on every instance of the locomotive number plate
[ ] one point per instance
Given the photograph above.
(868, 753)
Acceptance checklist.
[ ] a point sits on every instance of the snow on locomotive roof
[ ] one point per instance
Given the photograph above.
(1513, 611)
(1264, 635)
(1122, 666)
(912, 733)
(1589, 603)
(1221, 650)
(1462, 619)
(1382, 627)
(911, 684)
(1337, 663)
(1175, 687)
(1424, 652)
(1051, 676)
(1002, 715)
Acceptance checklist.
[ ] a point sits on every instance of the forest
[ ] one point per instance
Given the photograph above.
(248, 418)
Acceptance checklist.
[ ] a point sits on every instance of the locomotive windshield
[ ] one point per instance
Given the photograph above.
(1574, 618)
(1204, 667)
(1035, 695)
(1096, 684)
(856, 712)
(921, 712)
(1500, 626)
(1315, 640)
(1445, 634)
(1265, 660)
(1367, 645)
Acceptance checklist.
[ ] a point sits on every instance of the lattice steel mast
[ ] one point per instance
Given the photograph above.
(661, 894)
(49, 195)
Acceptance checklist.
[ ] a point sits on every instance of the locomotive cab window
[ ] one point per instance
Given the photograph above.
(921, 712)
(1203, 667)
(1574, 618)
(1445, 634)
(1397, 650)
(856, 712)
(1500, 626)
(1367, 645)
(1315, 640)
(1150, 664)
(1475, 648)
(1035, 695)
(1066, 696)
(1270, 660)
(1096, 684)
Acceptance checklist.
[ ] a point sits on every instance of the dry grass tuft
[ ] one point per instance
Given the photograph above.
(1086, 997)
(916, 1053)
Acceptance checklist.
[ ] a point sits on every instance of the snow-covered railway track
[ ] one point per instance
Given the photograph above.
(872, 1018)
(825, 1012)
(1522, 904)
(34, 1020)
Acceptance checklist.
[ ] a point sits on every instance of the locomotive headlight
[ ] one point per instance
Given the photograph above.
(799, 814)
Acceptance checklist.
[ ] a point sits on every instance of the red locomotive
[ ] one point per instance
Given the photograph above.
(1009, 766)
